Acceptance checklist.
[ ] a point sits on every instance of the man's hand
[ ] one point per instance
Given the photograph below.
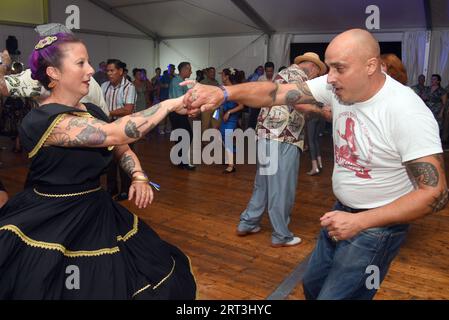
(341, 225)
(326, 113)
(202, 98)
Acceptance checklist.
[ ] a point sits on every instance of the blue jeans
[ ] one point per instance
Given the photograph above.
(339, 270)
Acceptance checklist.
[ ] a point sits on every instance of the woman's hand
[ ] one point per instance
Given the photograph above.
(226, 116)
(144, 193)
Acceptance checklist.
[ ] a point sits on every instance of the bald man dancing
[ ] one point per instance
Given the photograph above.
(388, 164)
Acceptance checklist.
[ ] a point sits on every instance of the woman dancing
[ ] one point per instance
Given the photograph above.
(64, 237)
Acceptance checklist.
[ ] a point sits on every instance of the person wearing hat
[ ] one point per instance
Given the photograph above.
(388, 170)
(280, 127)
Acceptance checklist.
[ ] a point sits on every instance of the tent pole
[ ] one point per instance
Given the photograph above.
(267, 41)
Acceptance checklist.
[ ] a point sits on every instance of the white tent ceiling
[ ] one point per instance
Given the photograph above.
(164, 19)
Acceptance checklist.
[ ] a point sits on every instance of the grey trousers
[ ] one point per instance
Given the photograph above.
(274, 191)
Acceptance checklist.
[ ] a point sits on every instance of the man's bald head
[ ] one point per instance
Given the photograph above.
(353, 58)
(360, 43)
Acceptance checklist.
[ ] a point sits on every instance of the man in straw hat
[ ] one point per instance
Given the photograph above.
(388, 164)
(281, 128)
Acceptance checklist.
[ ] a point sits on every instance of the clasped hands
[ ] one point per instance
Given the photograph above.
(199, 98)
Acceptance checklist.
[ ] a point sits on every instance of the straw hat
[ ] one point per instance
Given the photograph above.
(312, 57)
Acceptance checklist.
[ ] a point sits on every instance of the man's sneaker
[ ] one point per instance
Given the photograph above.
(242, 233)
(293, 242)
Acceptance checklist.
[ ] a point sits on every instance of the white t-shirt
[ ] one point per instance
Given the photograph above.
(373, 139)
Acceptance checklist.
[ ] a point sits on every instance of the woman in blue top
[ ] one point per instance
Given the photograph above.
(231, 114)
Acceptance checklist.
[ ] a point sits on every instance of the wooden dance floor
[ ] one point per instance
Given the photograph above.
(199, 210)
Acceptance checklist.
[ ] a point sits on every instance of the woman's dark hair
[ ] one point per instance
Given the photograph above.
(235, 76)
(49, 56)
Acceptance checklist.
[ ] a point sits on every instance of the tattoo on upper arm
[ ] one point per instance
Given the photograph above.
(76, 123)
(424, 173)
(60, 139)
(440, 161)
(292, 97)
(298, 96)
(90, 135)
(273, 93)
(132, 130)
(127, 163)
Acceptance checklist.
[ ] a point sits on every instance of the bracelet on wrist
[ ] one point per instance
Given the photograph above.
(225, 94)
(140, 171)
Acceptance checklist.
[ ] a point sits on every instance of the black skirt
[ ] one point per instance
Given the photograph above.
(77, 243)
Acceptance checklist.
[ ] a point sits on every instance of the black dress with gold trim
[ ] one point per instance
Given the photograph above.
(64, 237)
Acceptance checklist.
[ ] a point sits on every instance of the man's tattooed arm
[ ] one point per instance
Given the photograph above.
(430, 196)
(267, 94)
(300, 95)
(430, 175)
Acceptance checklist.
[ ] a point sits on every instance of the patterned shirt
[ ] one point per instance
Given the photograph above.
(24, 86)
(117, 97)
(283, 123)
(435, 103)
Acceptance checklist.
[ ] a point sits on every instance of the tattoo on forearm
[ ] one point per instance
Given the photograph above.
(440, 202)
(273, 93)
(424, 173)
(127, 163)
(147, 112)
